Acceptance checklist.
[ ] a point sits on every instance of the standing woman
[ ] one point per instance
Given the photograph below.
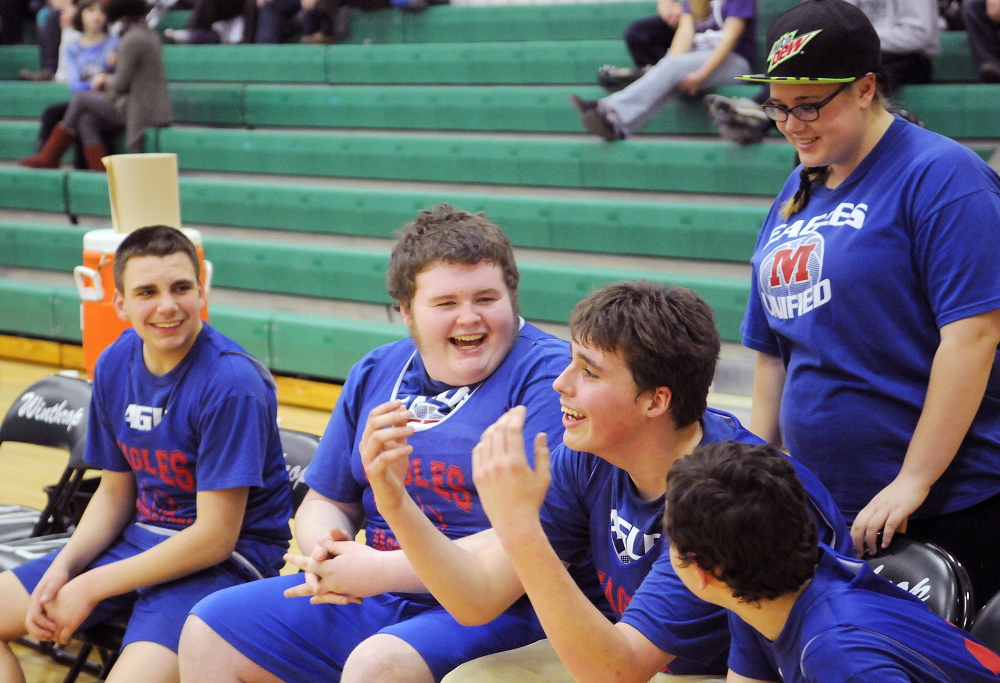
(715, 41)
(875, 300)
(134, 98)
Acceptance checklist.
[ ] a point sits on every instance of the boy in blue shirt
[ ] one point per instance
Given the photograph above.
(469, 359)
(800, 613)
(193, 497)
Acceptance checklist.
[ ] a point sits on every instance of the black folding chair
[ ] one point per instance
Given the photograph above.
(930, 572)
(51, 412)
(986, 626)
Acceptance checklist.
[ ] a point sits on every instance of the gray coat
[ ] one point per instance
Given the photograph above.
(138, 88)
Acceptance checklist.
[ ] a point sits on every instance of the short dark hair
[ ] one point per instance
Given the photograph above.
(453, 236)
(78, 12)
(738, 511)
(666, 335)
(153, 240)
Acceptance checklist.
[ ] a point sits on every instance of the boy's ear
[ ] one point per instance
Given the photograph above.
(119, 303)
(659, 401)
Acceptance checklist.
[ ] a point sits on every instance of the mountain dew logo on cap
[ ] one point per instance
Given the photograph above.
(787, 46)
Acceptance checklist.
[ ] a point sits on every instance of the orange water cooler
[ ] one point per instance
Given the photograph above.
(95, 283)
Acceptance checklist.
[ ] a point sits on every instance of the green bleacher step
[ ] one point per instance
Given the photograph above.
(291, 343)
(33, 189)
(724, 232)
(548, 291)
(680, 166)
(444, 24)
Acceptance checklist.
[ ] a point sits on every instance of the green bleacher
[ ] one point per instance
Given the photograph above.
(457, 95)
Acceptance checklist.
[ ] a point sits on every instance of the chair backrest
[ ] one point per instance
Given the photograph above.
(986, 627)
(298, 448)
(931, 573)
(54, 412)
(51, 412)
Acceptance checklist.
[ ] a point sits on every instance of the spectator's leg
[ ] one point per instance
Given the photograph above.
(271, 16)
(638, 103)
(51, 115)
(49, 37)
(983, 34)
(12, 16)
(648, 40)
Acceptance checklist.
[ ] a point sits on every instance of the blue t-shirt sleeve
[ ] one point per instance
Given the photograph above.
(564, 513)
(955, 255)
(676, 621)
(233, 441)
(101, 449)
(741, 9)
(746, 656)
(544, 413)
(329, 472)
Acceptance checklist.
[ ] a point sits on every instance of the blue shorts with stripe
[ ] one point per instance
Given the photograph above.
(302, 643)
(159, 611)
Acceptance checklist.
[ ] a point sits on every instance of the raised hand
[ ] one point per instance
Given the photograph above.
(385, 453)
(510, 490)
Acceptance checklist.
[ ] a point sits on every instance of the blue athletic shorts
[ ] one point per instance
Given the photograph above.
(302, 643)
(158, 612)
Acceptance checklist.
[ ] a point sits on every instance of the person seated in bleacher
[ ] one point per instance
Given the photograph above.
(132, 99)
(469, 359)
(742, 538)
(647, 41)
(323, 21)
(910, 38)
(982, 26)
(634, 396)
(193, 495)
(715, 39)
(207, 17)
(90, 53)
(53, 18)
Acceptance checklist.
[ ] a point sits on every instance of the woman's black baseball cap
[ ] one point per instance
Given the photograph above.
(820, 41)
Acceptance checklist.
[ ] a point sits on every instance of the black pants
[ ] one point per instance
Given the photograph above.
(973, 536)
(648, 40)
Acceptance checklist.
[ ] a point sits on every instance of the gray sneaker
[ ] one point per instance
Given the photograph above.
(738, 119)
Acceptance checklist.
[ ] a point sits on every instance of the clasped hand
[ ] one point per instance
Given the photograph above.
(57, 607)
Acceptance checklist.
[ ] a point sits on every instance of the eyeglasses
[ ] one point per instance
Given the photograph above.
(803, 112)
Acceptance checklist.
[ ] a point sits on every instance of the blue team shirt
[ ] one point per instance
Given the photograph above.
(450, 421)
(851, 294)
(83, 63)
(208, 424)
(594, 516)
(852, 625)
